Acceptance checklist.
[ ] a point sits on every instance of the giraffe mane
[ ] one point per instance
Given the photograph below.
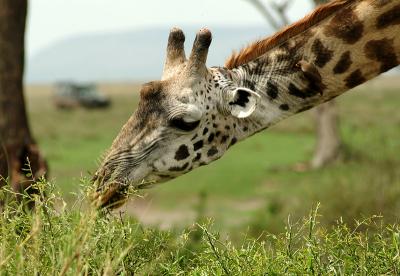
(260, 47)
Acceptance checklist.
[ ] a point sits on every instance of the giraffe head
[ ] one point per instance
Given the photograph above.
(186, 120)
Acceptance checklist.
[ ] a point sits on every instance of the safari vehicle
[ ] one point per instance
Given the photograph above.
(69, 95)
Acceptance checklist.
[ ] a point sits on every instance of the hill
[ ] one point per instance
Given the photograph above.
(127, 55)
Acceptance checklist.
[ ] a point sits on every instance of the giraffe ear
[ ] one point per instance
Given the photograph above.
(243, 102)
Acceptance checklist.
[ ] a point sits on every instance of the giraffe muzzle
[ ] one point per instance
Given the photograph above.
(108, 194)
(112, 192)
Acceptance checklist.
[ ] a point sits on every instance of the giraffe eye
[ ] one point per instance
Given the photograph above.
(181, 124)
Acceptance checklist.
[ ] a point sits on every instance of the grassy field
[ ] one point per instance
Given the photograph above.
(79, 241)
(259, 182)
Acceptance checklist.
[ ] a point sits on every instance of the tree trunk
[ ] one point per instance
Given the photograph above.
(16, 142)
(328, 144)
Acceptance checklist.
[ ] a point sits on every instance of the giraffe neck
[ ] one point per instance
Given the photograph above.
(349, 47)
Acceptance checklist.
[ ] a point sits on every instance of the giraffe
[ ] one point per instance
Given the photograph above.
(194, 114)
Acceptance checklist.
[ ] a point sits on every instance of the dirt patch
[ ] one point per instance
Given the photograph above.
(144, 210)
(148, 213)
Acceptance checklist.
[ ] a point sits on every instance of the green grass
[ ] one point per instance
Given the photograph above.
(80, 241)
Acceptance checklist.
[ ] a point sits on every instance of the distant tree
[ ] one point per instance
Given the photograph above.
(16, 142)
(328, 145)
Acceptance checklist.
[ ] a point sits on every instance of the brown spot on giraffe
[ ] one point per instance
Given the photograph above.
(272, 90)
(389, 18)
(383, 52)
(198, 145)
(343, 64)
(313, 77)
(295, 91)
(197, 158)
(309, 70)
(302, 94)
(212, 151)
(182, 153)
(346, 26)
(322, 54)
(354, 79)
(224, 139)
(284, 107)
(233, 141)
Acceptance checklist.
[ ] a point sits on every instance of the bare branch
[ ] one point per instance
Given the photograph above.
(265, 13)
(280, 9)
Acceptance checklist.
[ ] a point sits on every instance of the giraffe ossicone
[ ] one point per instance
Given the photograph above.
(194, 114)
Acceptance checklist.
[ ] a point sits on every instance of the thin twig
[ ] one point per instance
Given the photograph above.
(215, 250)
(68, 263)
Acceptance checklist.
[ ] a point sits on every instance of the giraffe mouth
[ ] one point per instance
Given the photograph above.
(114, 194)
(111, 195)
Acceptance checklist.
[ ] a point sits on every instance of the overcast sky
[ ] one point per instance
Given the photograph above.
(53, 20)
